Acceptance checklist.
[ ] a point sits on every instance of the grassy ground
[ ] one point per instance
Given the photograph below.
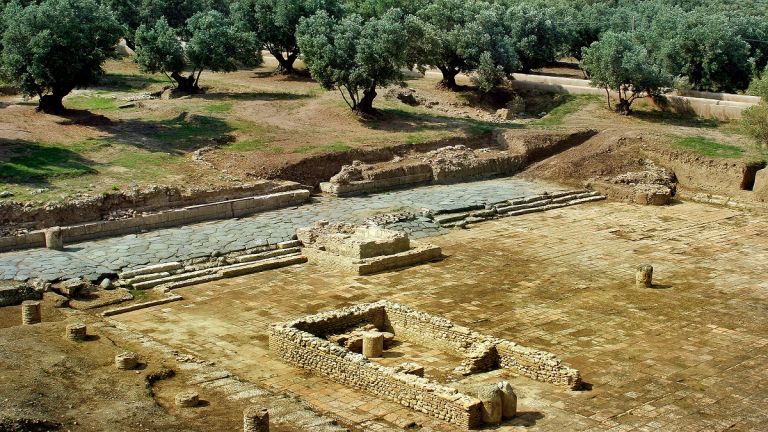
(255, 120)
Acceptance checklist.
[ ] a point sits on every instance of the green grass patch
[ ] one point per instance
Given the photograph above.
(218, 108)
(416, 138)
(130, 82)
(337, 147)
(91, 103)
(708, 147)
(247, 145)
(143, 161)
(476, 128)
(32, 162)
(565, 106)
(189, 130)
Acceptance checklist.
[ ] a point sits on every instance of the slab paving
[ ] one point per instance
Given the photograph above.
(690, 354)
(94, 258)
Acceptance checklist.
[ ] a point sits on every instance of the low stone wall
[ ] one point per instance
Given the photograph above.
(305, 350)
(14, 293)
(187, 215)
(303, 343)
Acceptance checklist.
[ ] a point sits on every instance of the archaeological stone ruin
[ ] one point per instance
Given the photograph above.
(313, 343)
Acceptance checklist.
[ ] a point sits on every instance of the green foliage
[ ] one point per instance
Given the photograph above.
(56, 46)
(489, 75)
(462, 33)
(710, 148)
(755, 122)
(617, 62)
(214, 44)
(217, 45)
(709, 52)
(355, 55)
(759, 87)
(273, 23)
(376, 8)
(538, 39)
(158, 48)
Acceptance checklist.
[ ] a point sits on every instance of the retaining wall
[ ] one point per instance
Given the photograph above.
(721, 106)
(186, 215)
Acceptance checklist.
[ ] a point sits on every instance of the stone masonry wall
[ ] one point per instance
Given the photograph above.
(321, 356)
(303, 343)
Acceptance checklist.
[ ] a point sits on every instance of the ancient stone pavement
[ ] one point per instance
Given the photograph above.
(94, 258)
(690, 354)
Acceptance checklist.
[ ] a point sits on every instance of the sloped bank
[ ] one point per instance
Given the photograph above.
(509, 153)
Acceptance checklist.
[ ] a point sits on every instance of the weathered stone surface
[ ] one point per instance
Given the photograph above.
(76, 332)
(71, 287)
(255, 419)
(508, 400)
(54, 238)
(30, 312)
(491, 397)
(13, 293)
(187, 399)
(126, 360)
(644, 276)
(411, 369)
(373, 344)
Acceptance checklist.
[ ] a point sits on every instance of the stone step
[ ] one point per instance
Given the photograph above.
(156, 268)
(268, 254)
(137, 306)
(262, 265)
(517, 207)
(193, 281)
(571, 197)
(452, 217)
(459, 209)
(175, 278)
(290, 244)
(147, 277)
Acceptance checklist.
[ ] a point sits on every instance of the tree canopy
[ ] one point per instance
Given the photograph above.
(355, 55)
(214, 44)
(617, 63)
(273, 23)
(55, 46)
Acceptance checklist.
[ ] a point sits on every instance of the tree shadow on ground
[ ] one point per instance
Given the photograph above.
(297, 76)
(676, 119)
(128, 82)
(253, 96)
(27, 162)
(400, 120)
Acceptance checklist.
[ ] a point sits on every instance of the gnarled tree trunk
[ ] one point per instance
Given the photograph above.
(449, 77)
(365, 106)
(52, 103)
(186, 84)
(286, 63)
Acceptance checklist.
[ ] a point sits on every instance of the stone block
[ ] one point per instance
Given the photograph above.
(54, 238)
(644, 276)
(508, 400)
(187, 399)
(255, 419)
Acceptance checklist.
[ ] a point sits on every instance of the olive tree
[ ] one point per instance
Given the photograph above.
(617, 62)
(537, 38)
(215, 44)
(273, 24)
(52, 47)
(464, 32)
(355, 55)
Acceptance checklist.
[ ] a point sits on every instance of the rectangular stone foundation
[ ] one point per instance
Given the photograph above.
(419, 253)
(303, 343)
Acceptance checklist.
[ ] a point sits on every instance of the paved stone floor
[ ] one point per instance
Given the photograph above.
(689, 355)
(111, 255)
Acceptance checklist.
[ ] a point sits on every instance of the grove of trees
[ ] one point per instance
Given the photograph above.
(633, 47)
